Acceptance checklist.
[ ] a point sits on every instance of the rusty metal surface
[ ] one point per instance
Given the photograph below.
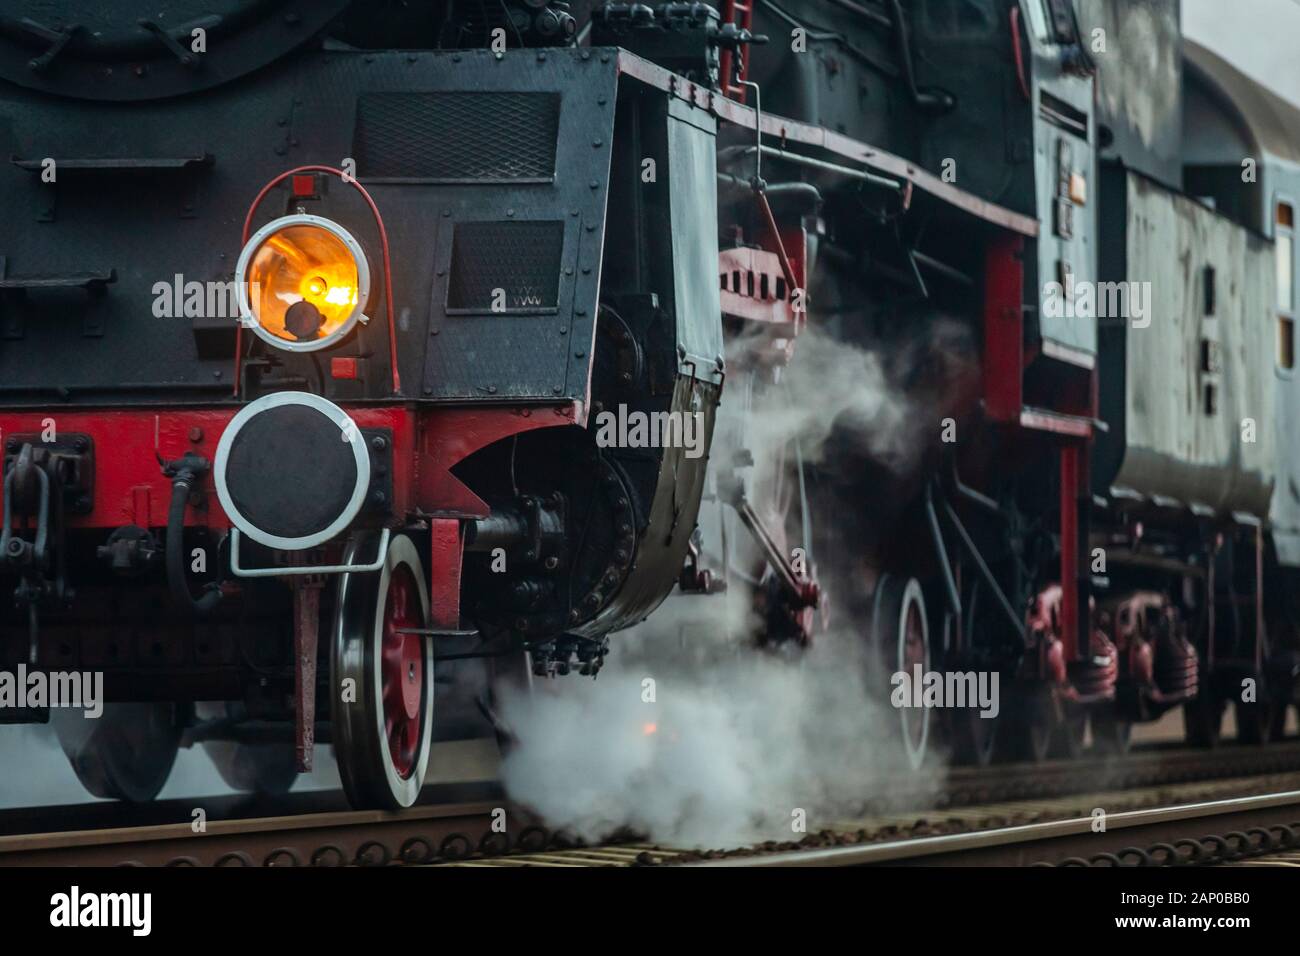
(1148, 768)
(306, 632)
(1059, 830)
(1140, 82)
(1177, 445)
(371, 838)
(972, 800)
(1074, 840)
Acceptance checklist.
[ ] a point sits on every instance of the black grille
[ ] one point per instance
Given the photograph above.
(521, 259)
(457, 137)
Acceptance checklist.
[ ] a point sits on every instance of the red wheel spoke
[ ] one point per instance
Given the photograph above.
(402, 664)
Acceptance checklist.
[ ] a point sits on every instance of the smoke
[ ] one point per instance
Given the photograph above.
(693, 736)
(834, 388)
(697, 739)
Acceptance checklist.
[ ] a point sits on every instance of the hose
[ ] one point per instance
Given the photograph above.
(184, 472)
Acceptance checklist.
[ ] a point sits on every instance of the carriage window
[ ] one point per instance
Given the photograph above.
(1285, 342)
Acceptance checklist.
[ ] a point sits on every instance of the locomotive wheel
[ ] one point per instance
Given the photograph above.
(126, 753)
(1071, 734)
(1278, 729)
(1033, 727)
(902, 635)
(1203, 720)
(974, 738)
(1255, 721)
(252, 768)
(1110, 734)
(382, 679)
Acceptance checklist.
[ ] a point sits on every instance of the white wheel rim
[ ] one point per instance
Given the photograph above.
(913, 598)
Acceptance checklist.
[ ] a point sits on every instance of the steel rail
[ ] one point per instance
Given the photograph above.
(375, 837)
(1049, 842)
(461, 829)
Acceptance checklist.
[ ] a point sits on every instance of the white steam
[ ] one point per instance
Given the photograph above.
(834, 387)
(737, 744)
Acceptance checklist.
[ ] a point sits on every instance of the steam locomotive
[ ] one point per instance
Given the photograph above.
(309, 313)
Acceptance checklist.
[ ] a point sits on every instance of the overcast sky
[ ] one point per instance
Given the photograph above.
(1259, 37)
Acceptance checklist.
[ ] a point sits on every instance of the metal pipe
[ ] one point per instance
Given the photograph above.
(949, 585)
(175, 550)
(503, 528)
(758, 132)
(970, 494)
(821, 164)
(309, 569)
(808, 190)
(978, 560)
(934, 265)
(774, 556)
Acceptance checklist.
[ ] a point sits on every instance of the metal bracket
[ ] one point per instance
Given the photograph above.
(180, 172)
(799, 588)
(240, 572)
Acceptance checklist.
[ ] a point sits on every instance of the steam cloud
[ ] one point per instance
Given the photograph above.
(736, 740)
(734, 743)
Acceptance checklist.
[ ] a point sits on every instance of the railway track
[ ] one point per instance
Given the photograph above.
(1232, 815)
(1149, 767)
(488, 831)
(366, 838)
(1243, 830)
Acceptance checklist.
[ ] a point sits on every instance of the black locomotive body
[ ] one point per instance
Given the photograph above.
(321, 327)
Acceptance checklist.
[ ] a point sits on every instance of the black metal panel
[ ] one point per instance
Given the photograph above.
(132, 340)
(985, 142)
(849, 77)
(505, 267)
(517, 352)
(457, 137)
(529, 350)
(1112, 335)
(136, 50)
(511, 355)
